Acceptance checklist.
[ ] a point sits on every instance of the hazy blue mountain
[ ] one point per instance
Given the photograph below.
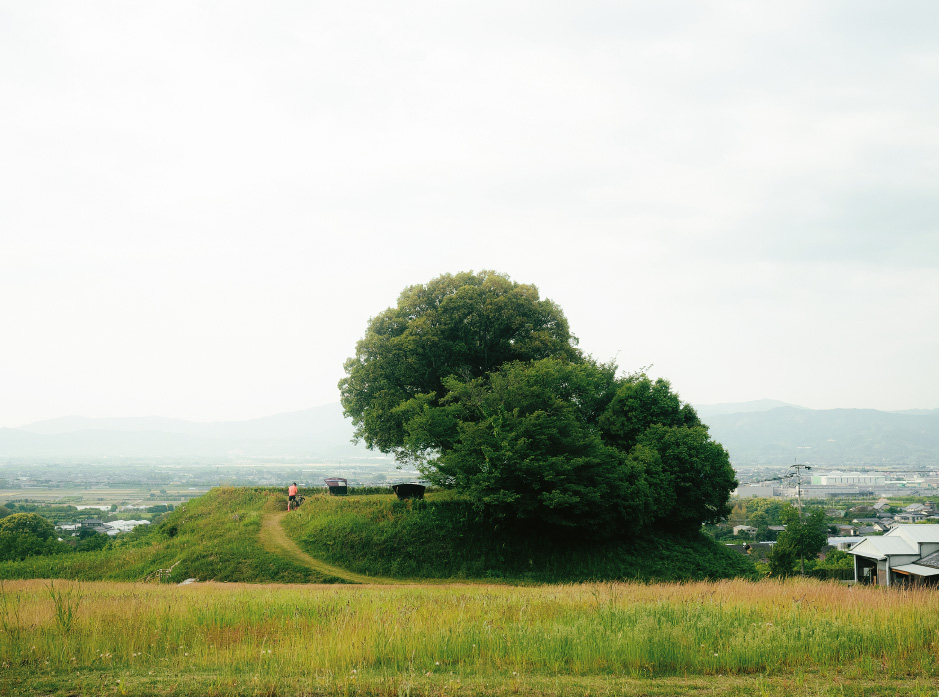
(74, 424)
(320, 434)
(740, 407)
(295, 424)
(760, 432)
(837, 437)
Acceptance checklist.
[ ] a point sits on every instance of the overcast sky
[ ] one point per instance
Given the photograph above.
(202, 203)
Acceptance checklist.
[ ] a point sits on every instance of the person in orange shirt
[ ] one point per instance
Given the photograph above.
(292, 495)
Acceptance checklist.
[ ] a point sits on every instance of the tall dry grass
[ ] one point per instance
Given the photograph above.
(269, 632)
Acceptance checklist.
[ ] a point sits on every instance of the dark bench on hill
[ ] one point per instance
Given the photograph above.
(408, 490)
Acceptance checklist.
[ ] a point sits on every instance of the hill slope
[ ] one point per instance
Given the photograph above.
(226, 535)
(443, 538)
(212, 537)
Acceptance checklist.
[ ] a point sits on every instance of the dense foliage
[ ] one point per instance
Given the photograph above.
(25, 535)
(476, 380)
(464, 325)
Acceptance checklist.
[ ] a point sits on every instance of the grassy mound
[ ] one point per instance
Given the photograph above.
(213, 537)
(216, 537)
(442, 537)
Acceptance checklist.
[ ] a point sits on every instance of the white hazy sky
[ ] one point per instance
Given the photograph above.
(202, 203)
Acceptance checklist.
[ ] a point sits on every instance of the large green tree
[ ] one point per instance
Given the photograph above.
(478, 381)
(461, 326)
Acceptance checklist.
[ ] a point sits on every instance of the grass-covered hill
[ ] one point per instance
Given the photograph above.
(226, 536)
(442, 537)
(213, 537)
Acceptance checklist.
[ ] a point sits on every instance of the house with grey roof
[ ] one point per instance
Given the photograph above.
(96, 526)
(906, 555)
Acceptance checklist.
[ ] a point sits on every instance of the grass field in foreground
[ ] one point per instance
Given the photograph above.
(715, 638)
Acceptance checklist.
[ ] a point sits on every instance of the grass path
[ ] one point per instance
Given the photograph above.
(274, 539)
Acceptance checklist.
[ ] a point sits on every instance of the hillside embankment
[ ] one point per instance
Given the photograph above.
(245, 535)
(274, 539)
(444, 537)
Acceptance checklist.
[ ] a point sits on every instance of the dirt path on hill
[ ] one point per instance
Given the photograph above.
(274, 539)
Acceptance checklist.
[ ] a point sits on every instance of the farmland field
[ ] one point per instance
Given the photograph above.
(715, 638)
(102, 496)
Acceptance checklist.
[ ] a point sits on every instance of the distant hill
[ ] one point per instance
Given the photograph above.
(740, 407)
(755, 433)
(836, 437)
(320, 434)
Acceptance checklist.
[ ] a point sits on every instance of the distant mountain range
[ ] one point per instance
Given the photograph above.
(763, 432)
(832, 437)
(708, 410)
(320, 434)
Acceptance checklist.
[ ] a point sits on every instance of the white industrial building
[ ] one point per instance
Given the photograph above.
(849, 479)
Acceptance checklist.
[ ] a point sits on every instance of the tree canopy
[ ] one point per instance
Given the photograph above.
(522, 441)
(802, 539)
(478, 381)
(462, 325)
(25, 534)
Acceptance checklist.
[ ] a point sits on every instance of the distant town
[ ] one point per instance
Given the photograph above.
(830, 483)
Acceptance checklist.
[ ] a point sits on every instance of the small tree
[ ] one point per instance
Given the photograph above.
(782, 560)
(836, 564)
(24, 535)
(805, 536)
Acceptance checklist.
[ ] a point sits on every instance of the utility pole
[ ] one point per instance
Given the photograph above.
(798, 475)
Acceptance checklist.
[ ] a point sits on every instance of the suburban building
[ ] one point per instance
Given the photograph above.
(745, 529)
(761, 491)
(908, 554)
(95, 525)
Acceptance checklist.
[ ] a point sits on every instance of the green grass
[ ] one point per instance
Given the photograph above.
(730, 637)
(716, 638)
(213, 537)
(442, 537)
